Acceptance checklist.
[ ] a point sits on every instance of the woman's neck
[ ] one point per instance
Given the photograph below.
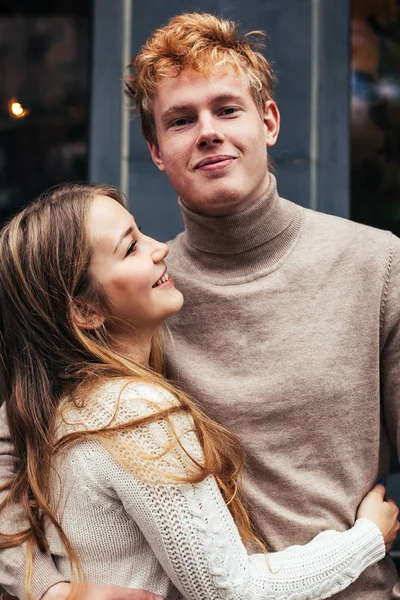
(136, 349)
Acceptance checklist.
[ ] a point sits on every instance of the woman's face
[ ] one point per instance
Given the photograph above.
(131, 270)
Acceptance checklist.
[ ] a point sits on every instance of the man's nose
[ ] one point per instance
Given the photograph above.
(209, 132)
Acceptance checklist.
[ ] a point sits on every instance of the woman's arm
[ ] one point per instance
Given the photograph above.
(196, 541)
(13, 560)
(193, 535)
(47, 583)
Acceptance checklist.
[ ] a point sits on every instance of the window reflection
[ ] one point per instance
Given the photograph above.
(375, 116)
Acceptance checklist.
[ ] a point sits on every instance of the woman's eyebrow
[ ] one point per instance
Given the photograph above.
(123, 236)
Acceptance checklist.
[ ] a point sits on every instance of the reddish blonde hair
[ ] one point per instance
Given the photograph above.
(204, 43)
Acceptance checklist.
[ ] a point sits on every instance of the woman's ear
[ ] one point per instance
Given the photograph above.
(85, 315)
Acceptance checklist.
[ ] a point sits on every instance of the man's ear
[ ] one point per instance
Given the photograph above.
(156, 155)
(85, 315)
(272, 120)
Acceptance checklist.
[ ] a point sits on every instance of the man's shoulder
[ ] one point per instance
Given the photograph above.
(334, 224)
(343, 235)
(326, 235)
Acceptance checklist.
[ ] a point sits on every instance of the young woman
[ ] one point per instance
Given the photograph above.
(121, 476)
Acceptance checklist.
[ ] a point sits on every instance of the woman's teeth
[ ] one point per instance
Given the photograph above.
(162, 279)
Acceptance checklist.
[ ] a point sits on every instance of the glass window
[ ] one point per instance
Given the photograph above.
(375, 117)
(375, 132)
(44, 94)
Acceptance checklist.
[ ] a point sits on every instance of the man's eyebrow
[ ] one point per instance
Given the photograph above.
(181, 108)
(172, 110)
(123, 236)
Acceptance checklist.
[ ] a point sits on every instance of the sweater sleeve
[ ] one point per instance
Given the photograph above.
(13, 560)
(193, 535)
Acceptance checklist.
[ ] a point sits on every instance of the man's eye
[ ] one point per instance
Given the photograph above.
(180, 122)
(131, 248)
(230, 110)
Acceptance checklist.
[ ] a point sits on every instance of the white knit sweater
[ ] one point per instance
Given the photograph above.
(133, 528)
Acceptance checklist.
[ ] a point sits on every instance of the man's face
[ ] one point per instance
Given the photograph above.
(212, 140)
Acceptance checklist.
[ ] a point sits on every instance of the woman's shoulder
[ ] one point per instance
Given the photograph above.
(140, 396)
(113, 403)
(154, 449)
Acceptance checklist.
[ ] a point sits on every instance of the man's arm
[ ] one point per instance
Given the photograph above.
(390, 344)
(390, 349)
(99, 592)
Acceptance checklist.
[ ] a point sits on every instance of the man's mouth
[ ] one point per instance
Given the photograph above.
(162, 279)
(222, 160)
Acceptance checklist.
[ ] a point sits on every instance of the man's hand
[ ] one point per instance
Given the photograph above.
(94, 591)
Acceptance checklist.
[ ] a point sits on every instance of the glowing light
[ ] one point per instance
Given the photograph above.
(16, 110)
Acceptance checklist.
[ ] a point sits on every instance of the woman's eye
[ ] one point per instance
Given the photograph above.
(131, 248)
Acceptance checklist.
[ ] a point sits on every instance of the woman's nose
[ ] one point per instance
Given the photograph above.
(159, 250)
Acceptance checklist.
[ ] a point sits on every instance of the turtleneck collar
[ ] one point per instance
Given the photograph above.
(256, 225)
(247, 244)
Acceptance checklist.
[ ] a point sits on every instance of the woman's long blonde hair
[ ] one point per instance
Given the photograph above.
(45, 254)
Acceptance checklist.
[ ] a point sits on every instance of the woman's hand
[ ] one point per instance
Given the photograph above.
(94, 591)
(382, 512)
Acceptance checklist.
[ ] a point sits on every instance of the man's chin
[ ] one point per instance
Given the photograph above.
(217, 206)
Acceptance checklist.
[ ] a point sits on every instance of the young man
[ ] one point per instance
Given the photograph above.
(290, 331)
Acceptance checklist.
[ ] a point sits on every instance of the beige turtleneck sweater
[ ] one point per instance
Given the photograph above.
(289, 316)
(289, 331)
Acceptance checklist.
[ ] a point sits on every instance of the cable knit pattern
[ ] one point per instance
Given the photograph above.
(148, 445)
(132, 530)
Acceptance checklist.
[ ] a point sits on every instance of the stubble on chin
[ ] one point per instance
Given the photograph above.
(222, 203)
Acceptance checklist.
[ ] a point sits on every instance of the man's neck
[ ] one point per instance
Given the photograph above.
(217, 208)
(242, 245)
(263, 220)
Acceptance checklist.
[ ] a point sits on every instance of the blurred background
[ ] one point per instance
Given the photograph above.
(44, 97)
(375, 113)
(63, 114)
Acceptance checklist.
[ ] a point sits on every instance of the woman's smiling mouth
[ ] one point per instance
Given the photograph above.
(163, 279)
